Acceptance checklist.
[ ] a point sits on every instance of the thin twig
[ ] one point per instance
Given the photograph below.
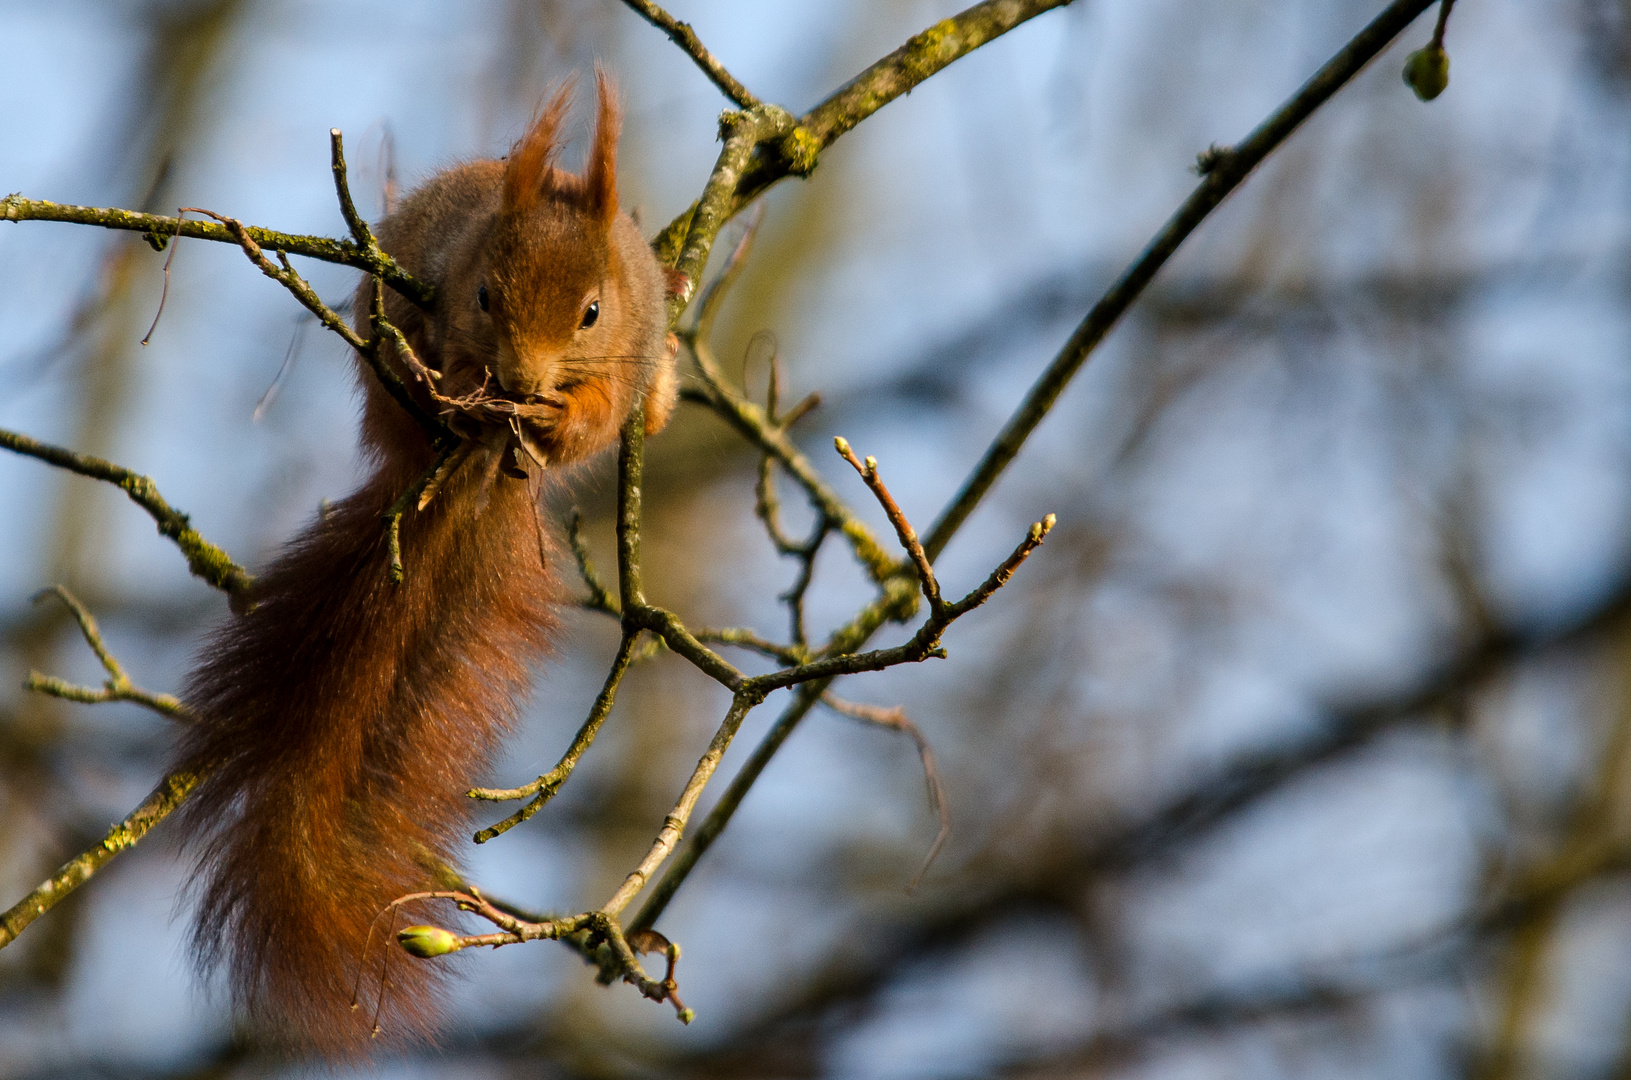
(600, 598)
(544, 788)
(385, 328)
(674, 824)
(164, 293)
(896, 720)
(923, 645)
(409, 497)
(725, 809)
(360, 232)
(794, 596)
(286, 275)
(682, 35)
(903, 528)
(616, 952)
(768, 510)
(747, 639)
(752, 422)
(815, 682)
(295, 341)
(1443, 22)
(767, 507)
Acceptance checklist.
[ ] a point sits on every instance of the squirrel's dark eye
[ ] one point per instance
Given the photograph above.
(590, 314)
(481, 297)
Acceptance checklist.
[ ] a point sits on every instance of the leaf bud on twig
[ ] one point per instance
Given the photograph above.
(426, 942)
(1427, 71)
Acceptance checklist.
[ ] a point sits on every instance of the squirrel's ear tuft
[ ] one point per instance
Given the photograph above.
(600, 178)
(530, 171)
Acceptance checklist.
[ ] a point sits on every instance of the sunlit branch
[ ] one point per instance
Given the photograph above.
(543, 789)
(1224, 171)
(322, 248)
(682, 35)
(797, 149)
(171, 792)
(204, 559)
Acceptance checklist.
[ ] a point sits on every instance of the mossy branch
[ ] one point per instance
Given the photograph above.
(325, 249)
(924, 54)
(171, 793)
(204, 559)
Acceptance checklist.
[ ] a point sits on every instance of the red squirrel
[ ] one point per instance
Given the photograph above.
(343, 715)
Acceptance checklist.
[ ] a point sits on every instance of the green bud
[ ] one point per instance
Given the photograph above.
(427, 941)
(1427, 71)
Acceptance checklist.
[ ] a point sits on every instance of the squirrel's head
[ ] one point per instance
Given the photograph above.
(566, 281)
(550, 287)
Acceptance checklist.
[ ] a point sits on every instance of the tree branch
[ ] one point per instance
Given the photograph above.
(16, 208)
(682, 35)
(1224, 171)
(171, 792)
(1227, 170)
(204, 559)
(117, 687)
(922, 56)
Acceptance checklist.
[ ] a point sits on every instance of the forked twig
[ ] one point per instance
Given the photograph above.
(117, 686)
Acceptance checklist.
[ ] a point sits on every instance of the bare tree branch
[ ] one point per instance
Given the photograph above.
(171, 792)
(1224, 171)
(204, 559)
(16, 208)
(682, 35)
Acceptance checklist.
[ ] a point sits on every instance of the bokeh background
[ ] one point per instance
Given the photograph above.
(1303, 748)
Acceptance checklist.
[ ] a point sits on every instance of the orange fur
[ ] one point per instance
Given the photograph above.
(600, 178)
(343, 717)
(530, 169)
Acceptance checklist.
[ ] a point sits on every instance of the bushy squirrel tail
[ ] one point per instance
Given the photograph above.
(340, 721)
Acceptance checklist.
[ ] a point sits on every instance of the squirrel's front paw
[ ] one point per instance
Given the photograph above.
(664, 391)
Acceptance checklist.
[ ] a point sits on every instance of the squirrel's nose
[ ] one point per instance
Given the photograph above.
(522, 372)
